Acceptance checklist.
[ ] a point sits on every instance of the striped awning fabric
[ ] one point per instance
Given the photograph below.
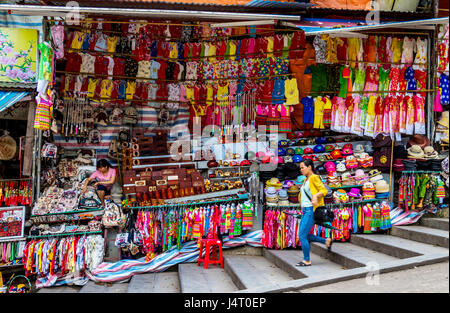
(8, 98)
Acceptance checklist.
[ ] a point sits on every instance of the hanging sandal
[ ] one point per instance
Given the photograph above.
(301, 264)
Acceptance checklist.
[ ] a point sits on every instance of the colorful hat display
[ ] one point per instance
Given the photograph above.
(376, 178)
(415, 152)
(340, 166)
(290, 151)
(340, 196)
(319, 149)
(283, 143)
(381, 186)
(330, 166)
(329, 148)
(373, 173)
(298, 151)
(321, 140)
(300, 180)
(347, 179)
(274, 182)
(365, 160)
(293, 191)
(336, 154)
(333, 180)
(418, 140)
(351, 162)
(360, 177)
(297, 158)
(354, 192)
(281, 152)
(282, 194)
(398, 165)
(430, 153)
(308, 151)
(347, 149)
(358, 150)
(368, 191)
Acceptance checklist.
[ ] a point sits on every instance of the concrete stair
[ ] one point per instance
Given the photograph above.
(259, 270)
(253, 271)
(350, 255)
(431, 236)
(437, 223)
(165, 282)
(197, 279)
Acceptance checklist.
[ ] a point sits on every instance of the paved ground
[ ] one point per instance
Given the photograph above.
(422, 279)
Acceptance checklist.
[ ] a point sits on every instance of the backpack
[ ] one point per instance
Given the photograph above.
(163, 117)
(130, 115)
(95, 136)
(88, 116)
(112, 216)
(89, 200)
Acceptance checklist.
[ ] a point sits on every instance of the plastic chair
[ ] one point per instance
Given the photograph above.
(208, 244)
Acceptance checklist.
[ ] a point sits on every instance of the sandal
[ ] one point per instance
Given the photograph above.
(301, 264)
(329, 247)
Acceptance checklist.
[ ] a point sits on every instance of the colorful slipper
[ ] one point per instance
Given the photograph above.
(302, 264)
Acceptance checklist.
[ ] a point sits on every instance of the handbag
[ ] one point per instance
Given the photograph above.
(322, 214)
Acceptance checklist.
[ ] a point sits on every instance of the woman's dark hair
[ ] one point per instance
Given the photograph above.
(308, 162)
(103, 163)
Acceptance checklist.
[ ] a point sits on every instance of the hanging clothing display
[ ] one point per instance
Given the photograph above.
(420, 190)
(161, 229)
(60, 256)
(281, 227)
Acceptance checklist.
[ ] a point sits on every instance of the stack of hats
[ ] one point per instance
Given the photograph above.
(368, 191)
(351, 162)
(375, 175)
(361, 177)
(333, 180)
(418, 140)
(429, 165)
(328, 199)
(287, 184)
(398, 165)
(291, 170)
(381, 189)
(355, 194)
(300, 180)
(365, 160)
(271, 196)
(442, 127)
(410, 165)
(347, 179)
(430, 153)
(415, 152)
(340, 196)
(283, 199)
(293, 192)
(359, 149)
(274, 182)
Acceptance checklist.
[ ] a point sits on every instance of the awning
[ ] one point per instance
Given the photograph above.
(322, 26)
(9, 98)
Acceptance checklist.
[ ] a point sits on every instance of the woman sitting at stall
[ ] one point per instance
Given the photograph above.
(104, 177)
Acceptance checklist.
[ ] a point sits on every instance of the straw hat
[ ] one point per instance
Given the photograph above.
(418, 140)
(415, 152)
(444, 119)
(430, 153)
(8, 147)
(381, 186)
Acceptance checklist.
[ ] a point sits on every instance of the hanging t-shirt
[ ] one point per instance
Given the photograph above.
(308, 110)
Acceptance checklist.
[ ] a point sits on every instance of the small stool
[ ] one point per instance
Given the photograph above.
(208, 243)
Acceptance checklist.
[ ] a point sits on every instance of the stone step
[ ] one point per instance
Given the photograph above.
(197, 279)
(286, 260)
(395, 246)
(165, 282)
(350, 255)
(422, 234)
(92, 287)
(60, 289)
(253, 271)
(438, 223)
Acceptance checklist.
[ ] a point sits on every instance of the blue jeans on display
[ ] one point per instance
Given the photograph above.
(306, 223)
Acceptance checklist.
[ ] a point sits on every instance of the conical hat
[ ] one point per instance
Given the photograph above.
(8, 147)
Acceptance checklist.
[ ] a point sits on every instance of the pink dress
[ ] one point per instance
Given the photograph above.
(419, 124)
(356, 128)
(410, 115)
(340, 115)
(387, 127)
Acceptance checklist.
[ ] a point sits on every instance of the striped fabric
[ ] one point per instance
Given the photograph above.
(123, 270)
(8, 98)
(178, 127)
(22, 21)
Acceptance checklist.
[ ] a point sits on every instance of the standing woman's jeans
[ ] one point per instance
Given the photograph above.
(306, 223)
